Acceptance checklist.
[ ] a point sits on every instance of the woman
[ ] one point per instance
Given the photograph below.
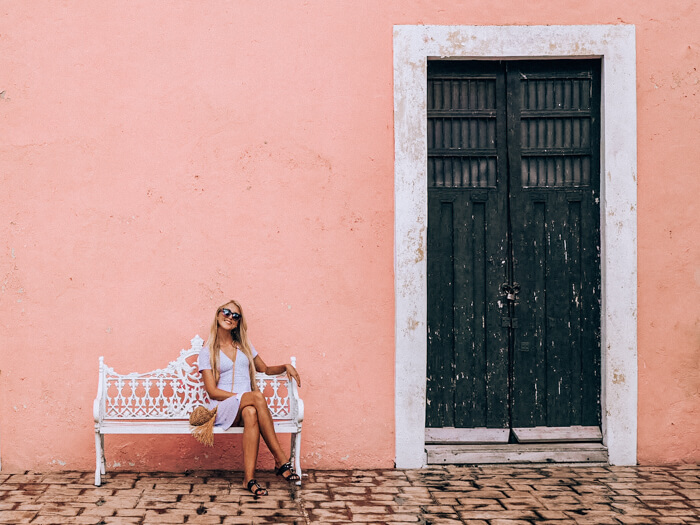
(228, 363)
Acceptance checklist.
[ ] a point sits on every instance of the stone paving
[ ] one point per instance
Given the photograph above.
(488, 495)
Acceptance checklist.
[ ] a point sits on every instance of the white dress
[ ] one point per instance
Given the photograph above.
(236, 381)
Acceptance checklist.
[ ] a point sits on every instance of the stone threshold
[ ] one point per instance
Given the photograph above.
(447, 454)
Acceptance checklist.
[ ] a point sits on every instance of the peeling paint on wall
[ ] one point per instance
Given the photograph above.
(618, 378)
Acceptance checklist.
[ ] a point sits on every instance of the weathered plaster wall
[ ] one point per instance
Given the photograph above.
(669, 241)
(159, 158)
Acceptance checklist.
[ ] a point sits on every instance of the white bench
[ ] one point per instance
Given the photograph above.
(160, 402)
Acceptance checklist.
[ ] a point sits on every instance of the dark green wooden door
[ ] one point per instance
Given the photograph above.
(513, 244)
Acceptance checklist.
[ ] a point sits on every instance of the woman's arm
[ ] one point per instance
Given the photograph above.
(213, 391)
(291, 372)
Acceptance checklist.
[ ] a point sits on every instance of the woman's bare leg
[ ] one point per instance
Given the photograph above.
(251, 442)
(267, 427)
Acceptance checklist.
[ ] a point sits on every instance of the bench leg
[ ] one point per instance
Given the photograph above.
(98, 458)
(296, 454)
(102, 446)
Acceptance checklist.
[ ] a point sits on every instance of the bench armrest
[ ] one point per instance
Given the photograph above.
(300, 406)
(297, 404)
(98, 404)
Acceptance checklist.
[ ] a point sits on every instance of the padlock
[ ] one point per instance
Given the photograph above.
(511, 292)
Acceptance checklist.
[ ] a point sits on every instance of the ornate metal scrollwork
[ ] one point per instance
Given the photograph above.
(174, 391)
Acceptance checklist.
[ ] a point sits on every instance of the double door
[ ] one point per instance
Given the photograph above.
(513, 244)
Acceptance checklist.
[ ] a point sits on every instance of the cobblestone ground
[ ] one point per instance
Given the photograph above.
(445, 495)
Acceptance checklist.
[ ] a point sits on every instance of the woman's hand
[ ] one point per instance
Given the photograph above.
(293, 374)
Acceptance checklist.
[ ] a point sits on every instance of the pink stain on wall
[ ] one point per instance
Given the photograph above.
(158, 159)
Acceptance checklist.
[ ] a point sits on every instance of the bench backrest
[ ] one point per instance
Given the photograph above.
(174, 391)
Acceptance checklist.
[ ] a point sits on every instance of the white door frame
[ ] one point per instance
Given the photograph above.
(615, 44)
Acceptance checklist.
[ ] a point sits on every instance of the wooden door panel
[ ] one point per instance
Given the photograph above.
(554, 213)
(467, 247)
(544, 368)
(440, 397)
(513, 196)
(470, 341)
(467, 383)
(530, 342)
(590, 308)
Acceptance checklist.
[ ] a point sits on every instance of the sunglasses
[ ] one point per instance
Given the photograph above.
(231, 315)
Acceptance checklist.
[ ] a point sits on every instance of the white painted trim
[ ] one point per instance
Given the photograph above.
(616, 45)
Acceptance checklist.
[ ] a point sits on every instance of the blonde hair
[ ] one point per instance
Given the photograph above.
(239, 335)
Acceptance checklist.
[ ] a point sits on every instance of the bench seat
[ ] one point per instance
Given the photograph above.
(178, 427)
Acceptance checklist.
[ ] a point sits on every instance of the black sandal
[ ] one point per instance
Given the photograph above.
(258, 490)
(287, 467)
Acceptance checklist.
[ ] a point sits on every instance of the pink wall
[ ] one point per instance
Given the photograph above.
(668, 94)
(158, 159)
